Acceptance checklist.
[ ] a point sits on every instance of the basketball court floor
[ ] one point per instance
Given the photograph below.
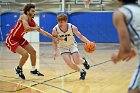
(102, 77)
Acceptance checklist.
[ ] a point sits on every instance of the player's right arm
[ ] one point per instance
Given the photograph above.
(125, 50)
(54, 43)
(27, 28)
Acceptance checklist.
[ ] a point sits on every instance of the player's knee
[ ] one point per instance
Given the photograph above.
(25, 55)
(77, 61)
(70, 64)
(33, 52)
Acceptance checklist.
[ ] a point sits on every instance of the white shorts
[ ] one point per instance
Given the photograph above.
(135, 81)
(69, 49)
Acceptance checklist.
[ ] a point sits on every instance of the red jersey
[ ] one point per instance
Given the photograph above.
(18, 29)
(15, 36)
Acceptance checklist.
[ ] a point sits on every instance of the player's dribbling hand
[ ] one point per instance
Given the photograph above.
(130, 55)
(115, 58)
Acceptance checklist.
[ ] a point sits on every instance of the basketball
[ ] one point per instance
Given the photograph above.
(90, 47)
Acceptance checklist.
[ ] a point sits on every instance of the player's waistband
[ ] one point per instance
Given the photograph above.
(15, 36)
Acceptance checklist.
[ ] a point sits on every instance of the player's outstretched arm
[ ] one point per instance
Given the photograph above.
(45, 33)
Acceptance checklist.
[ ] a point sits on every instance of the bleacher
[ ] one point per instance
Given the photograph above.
(58, 5)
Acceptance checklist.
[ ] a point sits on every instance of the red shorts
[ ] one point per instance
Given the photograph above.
(13, 42)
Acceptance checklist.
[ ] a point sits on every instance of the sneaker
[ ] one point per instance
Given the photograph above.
(20, 73)
(86, 64)
(82, 75)
(35, 72)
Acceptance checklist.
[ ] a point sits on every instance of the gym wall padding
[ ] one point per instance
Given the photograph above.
(96, 26)
(8, 20)
(47, 22)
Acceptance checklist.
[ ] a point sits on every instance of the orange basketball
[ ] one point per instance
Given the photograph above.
(90, 47)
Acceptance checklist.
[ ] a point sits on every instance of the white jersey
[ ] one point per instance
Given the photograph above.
(68, 38)
(132, 13)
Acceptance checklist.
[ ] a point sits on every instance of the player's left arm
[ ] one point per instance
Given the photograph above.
(79, 35)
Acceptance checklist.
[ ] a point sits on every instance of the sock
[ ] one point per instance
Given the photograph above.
(81, 68)
(33, 68)
(84, 59)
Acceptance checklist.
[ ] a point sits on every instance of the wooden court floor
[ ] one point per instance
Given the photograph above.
(102, 77)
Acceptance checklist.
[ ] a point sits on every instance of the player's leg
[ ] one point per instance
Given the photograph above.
(135, 82)
(24, 57)
(77, 60)
(32, 53)
(87, 3)
(68, 61)
(136, 90)
(13, 44)
(76, 57)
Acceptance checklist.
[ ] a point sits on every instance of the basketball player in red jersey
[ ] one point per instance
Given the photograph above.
(17, 44)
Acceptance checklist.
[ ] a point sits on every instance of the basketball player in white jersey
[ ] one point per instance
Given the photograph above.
(127, 22)
(67, 44)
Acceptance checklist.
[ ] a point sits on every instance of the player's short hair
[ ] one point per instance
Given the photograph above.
(62, 17)
(129, 1)
(28, 7)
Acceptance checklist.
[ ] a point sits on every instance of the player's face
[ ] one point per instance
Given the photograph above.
(31, 13)
(62, 23)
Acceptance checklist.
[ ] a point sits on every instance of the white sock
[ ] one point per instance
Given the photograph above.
(33, 68)
(81, 68)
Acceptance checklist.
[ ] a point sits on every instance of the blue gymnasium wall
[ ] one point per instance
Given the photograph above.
(0, 28)
(8, 20)
(47, 22)
(96, 26)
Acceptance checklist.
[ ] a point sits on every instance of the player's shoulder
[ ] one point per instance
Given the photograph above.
(23, 16)
(54, 29)
(117, 14)
(72, 26)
